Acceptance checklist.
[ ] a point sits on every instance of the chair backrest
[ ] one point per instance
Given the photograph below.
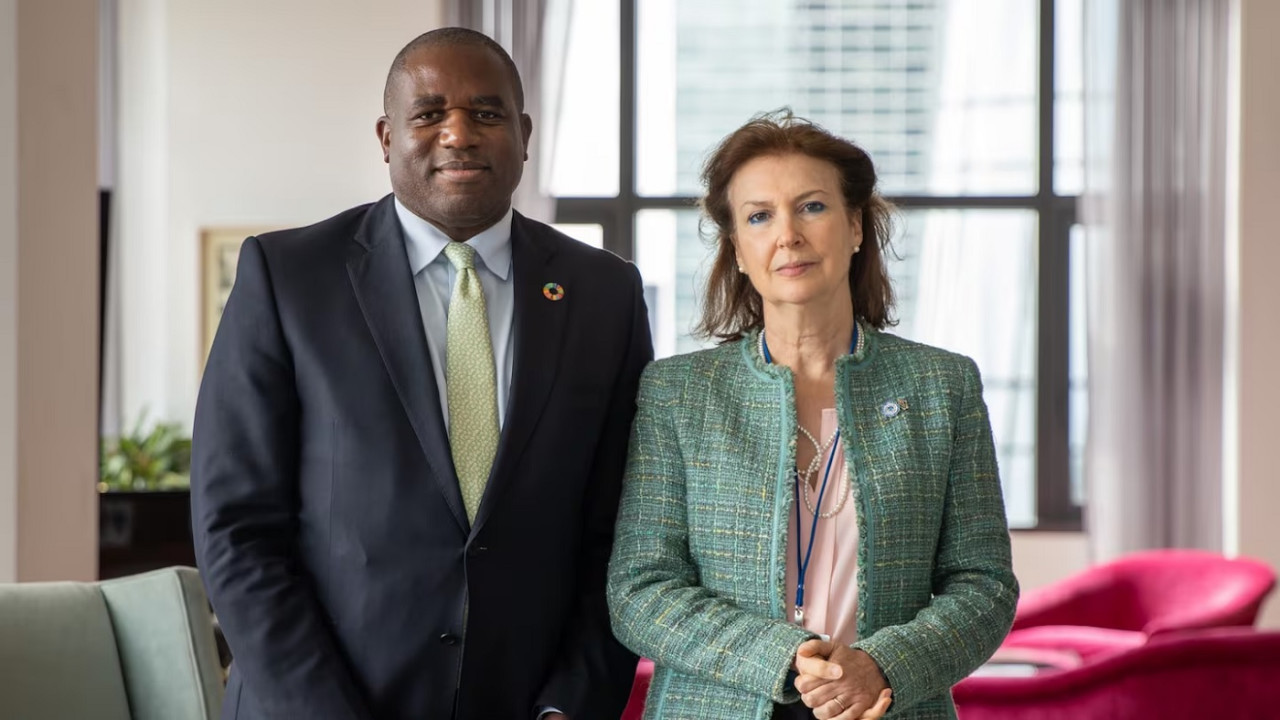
(135, 648)
(164, 631)
(639, 691)
(58, 655)
(1153, 592)
(1174, 590)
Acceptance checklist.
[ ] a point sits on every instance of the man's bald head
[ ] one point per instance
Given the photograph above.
(452, 36)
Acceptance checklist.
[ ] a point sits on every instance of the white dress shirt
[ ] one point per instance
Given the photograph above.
(433, 277)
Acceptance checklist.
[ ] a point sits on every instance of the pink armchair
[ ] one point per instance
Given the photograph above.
(1121, 604)
(1223, 673)
(639, 689)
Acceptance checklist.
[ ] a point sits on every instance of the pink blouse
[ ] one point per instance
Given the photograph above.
(831, 581)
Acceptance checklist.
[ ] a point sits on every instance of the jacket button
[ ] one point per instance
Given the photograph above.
(448, 639)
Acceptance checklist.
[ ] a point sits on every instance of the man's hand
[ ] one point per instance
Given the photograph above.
(840, 683)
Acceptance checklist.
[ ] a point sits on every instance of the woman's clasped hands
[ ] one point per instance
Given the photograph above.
(840, 683)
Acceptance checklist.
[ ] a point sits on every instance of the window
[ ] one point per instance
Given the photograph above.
(978, 141)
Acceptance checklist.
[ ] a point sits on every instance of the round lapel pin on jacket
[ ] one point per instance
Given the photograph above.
(890, 409)
(553, 291)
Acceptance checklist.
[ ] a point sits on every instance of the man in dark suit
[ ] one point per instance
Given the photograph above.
(411, 433)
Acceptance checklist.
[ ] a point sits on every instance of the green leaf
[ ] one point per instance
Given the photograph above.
(155, 457)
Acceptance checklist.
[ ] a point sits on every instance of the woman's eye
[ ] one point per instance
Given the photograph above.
(814, 206)
(757, 217)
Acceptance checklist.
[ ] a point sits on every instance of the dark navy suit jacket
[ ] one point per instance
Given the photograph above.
(328, 523)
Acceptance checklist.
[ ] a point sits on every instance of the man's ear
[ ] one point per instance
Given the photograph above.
(383, 128)
(526, 131)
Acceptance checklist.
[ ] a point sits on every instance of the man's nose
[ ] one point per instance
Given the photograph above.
(457, 129)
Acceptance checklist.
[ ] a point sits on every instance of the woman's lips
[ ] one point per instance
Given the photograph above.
(794, 269)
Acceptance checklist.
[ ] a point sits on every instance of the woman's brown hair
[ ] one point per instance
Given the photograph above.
(731, 306)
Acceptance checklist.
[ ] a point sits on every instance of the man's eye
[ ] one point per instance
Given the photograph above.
(757, 217)
(814, 206)
(488, 115)
(428, 115)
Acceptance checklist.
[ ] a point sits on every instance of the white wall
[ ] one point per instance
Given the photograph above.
(1043, 558)
(236, 113)
(1258, 388)
(8, 290)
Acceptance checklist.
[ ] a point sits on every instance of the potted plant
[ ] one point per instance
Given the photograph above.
(159, 459)
(144, 508)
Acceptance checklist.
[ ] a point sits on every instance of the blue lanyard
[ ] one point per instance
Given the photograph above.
(802, 562)
(802, 566)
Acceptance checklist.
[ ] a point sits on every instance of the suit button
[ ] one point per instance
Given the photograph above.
(448, 639)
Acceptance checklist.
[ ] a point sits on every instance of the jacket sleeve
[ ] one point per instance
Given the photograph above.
(975, 592)
(659, 608)
(594, 673)
(244, 512)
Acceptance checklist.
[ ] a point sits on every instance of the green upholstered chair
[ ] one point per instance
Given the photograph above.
(133, 648)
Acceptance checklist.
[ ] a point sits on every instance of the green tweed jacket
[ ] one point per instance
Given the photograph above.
(698, 567)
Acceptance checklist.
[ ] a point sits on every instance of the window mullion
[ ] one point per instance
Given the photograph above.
(624, 244)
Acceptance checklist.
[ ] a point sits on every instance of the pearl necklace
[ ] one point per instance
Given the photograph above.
(820, 449)
(820, 452)
(858, 346)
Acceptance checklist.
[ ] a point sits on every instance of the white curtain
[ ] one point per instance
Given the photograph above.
(530, 30)
(1156, 144)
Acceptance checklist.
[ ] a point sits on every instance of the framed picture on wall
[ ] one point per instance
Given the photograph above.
(219, 253)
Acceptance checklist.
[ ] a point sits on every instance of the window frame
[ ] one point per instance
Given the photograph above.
(1055, 510)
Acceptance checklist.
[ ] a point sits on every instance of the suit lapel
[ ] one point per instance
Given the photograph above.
(383, 284)
(539, 327)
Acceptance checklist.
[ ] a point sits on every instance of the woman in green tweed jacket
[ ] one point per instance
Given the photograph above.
(706, 562)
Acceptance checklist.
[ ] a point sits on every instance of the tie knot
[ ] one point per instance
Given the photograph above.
(462, 255)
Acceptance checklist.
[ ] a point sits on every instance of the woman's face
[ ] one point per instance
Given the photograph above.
(792, 233)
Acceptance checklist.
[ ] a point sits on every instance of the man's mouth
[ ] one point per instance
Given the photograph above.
(461, 170)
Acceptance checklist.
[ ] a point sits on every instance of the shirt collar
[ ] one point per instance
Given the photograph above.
(425, 242)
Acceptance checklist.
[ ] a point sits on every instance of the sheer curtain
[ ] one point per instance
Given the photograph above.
(530, 30)
(1156, 144)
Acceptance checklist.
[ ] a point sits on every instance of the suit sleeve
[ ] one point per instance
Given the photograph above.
(660, 609)
(975, 592)
(594, 672)
(244, 511)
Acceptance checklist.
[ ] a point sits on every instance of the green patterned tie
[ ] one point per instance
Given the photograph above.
(470, 379)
